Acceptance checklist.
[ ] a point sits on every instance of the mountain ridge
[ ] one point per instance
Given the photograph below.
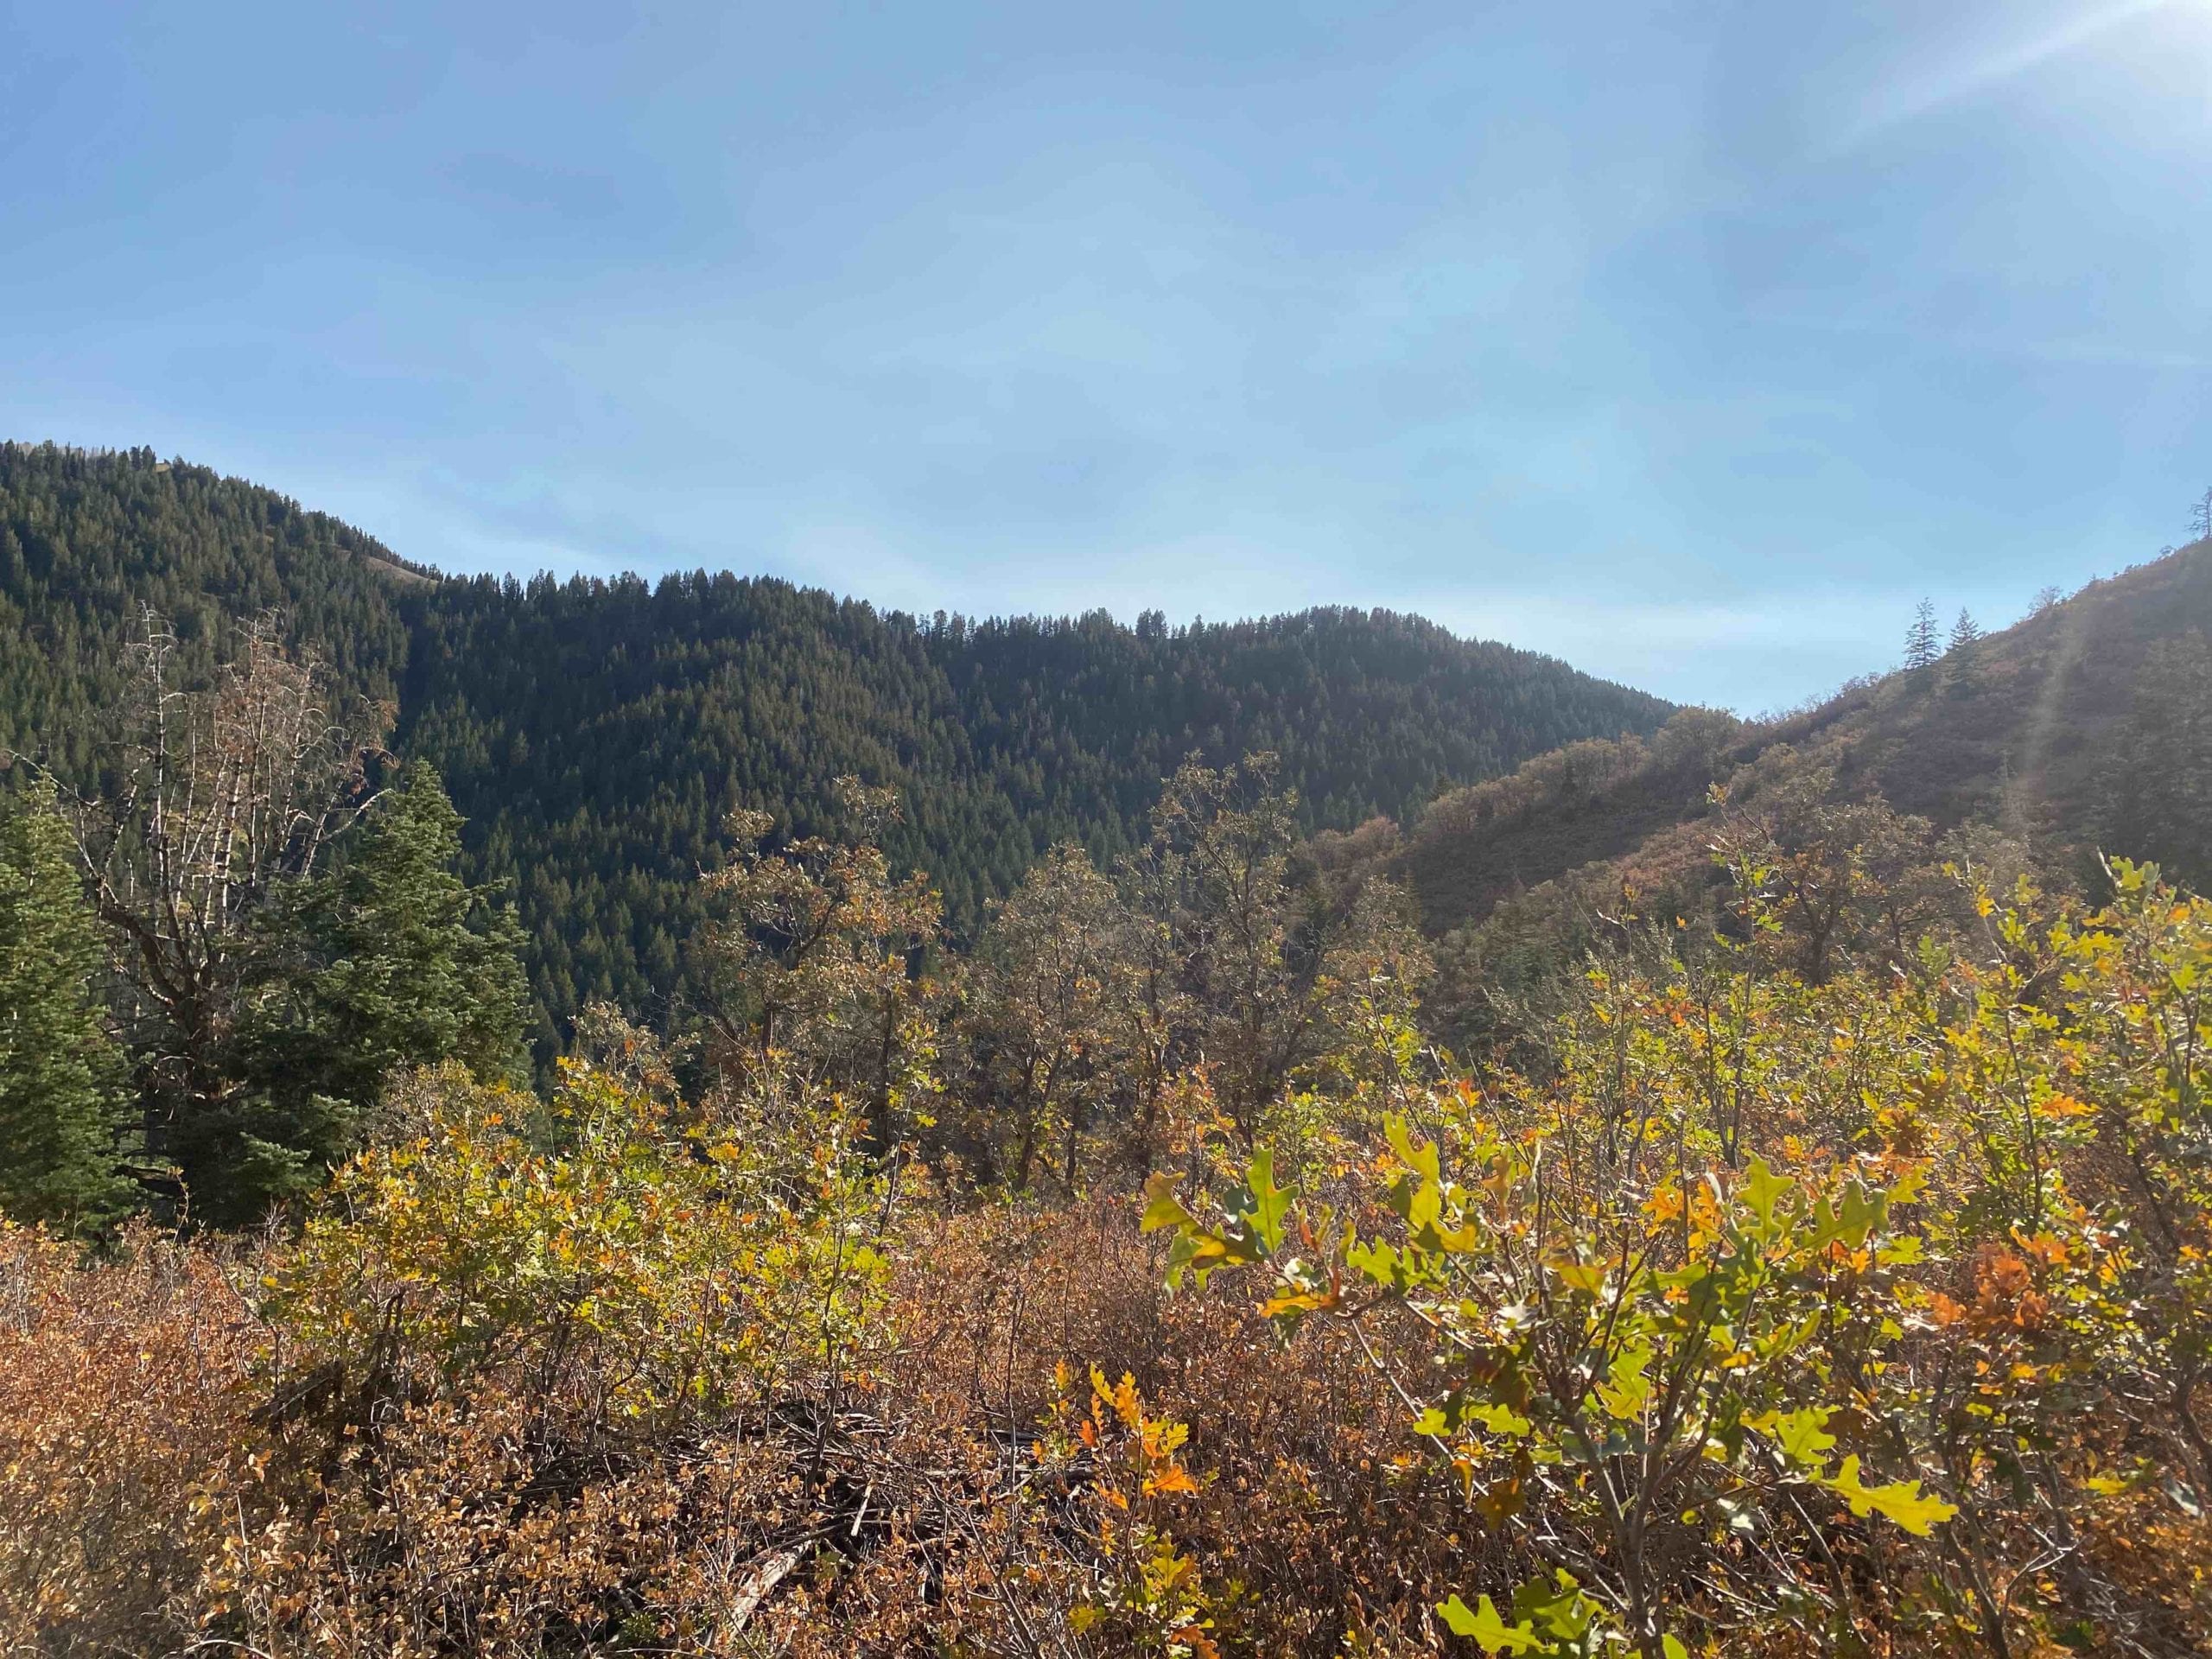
(595, 732)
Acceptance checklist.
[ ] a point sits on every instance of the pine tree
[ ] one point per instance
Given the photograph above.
(390, 960)
(61, 1101)
(1920, 639)
(1961, 661)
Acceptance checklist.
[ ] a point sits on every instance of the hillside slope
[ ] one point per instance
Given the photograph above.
(595, 733)
(2086, 726)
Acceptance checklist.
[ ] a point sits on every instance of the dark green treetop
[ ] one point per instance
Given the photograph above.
(388, 960)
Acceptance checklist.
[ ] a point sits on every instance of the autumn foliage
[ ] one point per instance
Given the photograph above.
(1150, 1286)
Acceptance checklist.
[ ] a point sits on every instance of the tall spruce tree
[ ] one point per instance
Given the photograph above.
(389, 960)
(61, 1100)
(1962, 656)
(1920, 647)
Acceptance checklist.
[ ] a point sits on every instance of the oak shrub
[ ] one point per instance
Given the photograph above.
(1751, 1309)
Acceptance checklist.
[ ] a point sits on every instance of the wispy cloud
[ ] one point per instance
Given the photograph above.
(1991, 64)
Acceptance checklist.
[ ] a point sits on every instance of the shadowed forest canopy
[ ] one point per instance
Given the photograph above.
(595, 734)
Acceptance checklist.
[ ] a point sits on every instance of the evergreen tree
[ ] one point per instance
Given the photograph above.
(1961, 657)
(390, 960)
(60, 1071)
(1920, 639)
(414, 965)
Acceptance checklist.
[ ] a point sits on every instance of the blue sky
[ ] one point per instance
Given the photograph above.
(1693, 343)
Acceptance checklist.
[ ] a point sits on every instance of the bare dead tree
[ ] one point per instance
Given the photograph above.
(222, 794)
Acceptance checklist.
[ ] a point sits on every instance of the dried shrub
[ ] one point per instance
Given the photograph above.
(120, 1395)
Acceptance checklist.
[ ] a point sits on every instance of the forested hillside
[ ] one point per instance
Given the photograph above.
(596, 735)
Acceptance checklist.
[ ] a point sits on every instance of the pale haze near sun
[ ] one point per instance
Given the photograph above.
(1693, 344)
